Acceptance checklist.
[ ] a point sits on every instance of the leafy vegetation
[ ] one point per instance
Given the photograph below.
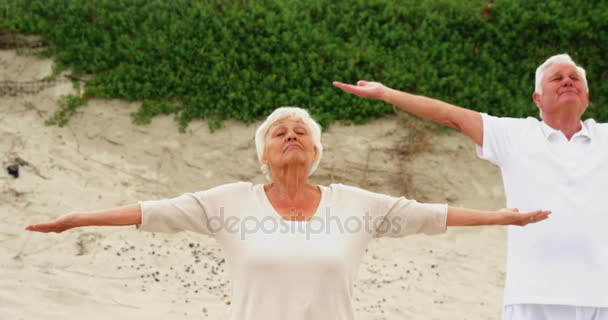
(242, 59)
(68, 105)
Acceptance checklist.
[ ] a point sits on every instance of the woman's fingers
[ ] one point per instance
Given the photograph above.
(522, 219)
(534, 216)
(41, 227)
(58, 225)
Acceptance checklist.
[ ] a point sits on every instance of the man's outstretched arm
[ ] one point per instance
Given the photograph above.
(467, 121)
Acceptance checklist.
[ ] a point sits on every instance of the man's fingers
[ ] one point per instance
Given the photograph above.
(342, 85)
(356, 90)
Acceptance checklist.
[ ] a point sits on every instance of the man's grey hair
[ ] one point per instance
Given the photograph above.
(560, 58)
(288, 112)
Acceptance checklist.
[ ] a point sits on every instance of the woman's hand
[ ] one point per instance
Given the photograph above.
(364, 89)
(514, 217)
(470, 217)
(122, 216)
(58, 225)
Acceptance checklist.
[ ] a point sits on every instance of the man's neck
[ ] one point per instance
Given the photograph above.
(567, 125)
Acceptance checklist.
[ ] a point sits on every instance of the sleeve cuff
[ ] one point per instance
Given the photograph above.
(142, 225)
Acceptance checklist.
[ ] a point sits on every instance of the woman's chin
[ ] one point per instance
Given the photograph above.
(294, 159)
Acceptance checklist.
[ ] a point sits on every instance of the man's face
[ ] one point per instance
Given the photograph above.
(564, 91)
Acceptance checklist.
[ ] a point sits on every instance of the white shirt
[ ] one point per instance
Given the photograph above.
(292, 269)
(563, 260)
(553, 312)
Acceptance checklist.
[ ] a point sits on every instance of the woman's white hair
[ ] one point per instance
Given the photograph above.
(288, 112)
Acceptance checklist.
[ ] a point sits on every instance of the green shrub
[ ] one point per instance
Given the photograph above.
(67, 108)
(241, 59)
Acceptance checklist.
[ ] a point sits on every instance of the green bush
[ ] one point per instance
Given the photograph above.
(241, 59)
(67, 107)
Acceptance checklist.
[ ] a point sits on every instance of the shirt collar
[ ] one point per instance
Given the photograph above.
(551, 133)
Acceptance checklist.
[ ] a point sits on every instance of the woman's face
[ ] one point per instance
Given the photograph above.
(289, 142)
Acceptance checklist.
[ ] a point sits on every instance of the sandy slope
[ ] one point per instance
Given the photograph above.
(101, 160)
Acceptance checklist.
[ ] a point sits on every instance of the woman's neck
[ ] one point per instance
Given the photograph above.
(289, 183)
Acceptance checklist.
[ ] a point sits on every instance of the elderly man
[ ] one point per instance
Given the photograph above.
(559, 269)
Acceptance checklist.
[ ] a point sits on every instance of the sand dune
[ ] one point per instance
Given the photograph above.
(100, 159)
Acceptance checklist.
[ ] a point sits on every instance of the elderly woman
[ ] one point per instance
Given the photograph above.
(292, 248)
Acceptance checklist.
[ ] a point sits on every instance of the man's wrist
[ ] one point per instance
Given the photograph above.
(386, 94)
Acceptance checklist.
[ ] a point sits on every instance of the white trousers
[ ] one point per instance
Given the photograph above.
(552, 312)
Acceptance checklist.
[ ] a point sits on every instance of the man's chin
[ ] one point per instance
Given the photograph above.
(570, 102)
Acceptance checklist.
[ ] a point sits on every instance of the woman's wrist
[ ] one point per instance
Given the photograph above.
(496, 218)
(502, 218)
(76, 219)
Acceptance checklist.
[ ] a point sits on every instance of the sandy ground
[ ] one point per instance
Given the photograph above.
(102, 160)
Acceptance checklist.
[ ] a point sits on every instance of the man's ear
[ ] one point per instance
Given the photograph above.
(316, 157)
(536, 97)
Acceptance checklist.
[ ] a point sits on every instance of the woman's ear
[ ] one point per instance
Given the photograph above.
(264, 159)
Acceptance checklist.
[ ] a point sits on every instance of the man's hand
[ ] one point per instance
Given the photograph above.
(467, 121)
(364, 89)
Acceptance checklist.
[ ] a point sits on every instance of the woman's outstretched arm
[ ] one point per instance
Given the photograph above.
(468, 217)
(121, 216)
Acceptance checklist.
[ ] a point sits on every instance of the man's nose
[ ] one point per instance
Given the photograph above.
(567, 82)
(291, 137)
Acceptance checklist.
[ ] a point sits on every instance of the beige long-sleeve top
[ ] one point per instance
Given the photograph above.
(283, 269)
